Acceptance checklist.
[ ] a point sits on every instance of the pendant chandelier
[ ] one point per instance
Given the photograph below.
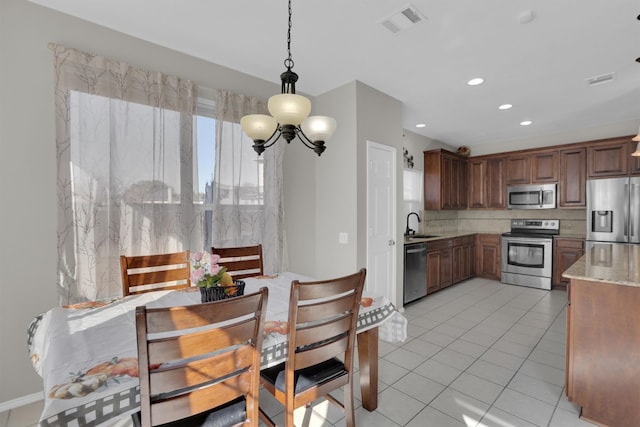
(288, 117)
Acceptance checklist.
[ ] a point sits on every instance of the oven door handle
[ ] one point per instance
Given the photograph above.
(526, 240)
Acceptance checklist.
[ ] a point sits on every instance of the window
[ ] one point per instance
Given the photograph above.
(240, 178)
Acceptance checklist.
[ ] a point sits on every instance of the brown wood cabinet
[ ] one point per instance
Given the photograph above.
(487, 183)
(463, 258)
(454, 182)
(445, 180)
(566, 251)
(634, 162)
(544, 167)
(438, 264)
(603, 326)
(608, 158)
(450, 261)
(518, 169)
(532, 167)
(573, 185)
(488, 250)
(476, 170)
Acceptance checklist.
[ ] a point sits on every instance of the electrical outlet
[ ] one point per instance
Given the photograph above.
(343, 238)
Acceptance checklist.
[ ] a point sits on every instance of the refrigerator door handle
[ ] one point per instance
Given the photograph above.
(634, 205)
(626, 211)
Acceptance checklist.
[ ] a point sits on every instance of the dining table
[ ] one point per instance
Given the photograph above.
(86, 353)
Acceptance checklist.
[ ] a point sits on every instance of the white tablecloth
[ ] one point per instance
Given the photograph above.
(71, 345)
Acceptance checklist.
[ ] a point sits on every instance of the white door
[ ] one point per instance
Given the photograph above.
(381, 220)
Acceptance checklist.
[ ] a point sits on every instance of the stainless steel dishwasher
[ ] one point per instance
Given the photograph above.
(415, 271)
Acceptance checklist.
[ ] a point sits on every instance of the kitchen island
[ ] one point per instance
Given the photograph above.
(603, 334)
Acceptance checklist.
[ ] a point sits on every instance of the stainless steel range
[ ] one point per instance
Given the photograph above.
(527, 252)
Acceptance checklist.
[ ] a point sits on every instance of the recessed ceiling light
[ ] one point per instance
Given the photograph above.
(526, 123)
(505, 106)
(475, 82)
(421, 125)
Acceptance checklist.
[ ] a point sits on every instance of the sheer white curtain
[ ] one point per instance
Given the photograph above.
(125, 169)
(248, 204)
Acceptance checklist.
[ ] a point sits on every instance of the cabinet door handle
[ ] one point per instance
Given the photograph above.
(392, 242)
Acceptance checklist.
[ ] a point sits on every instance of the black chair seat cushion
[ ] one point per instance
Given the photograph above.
(226, 415)
(307, 377)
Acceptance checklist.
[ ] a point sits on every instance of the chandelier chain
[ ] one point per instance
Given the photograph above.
(289, 62)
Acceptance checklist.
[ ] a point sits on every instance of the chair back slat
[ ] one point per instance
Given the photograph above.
(326, 288)
(186, 346)
(204, 368)
(168, 410)
(304, 359)
(154, 277)
(147, 273)
(201, 371)
(325, 309)
(323, 331)
(193, 316)
(241, 261)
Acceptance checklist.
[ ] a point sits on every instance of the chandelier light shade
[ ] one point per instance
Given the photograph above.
(258, 126)
(289, 115)
(289, 108)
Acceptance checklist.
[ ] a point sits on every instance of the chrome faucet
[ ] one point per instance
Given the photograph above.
(408, 231)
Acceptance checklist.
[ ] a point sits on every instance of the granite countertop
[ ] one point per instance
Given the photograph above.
(439, 236)
(617, 263)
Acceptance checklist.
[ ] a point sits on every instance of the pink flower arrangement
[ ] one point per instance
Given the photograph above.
(205, 270)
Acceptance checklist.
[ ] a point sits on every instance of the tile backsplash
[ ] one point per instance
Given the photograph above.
(572, 221)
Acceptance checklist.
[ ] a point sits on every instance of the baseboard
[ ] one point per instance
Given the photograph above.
(20, 401)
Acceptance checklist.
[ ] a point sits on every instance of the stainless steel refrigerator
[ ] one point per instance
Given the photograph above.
(613, 210)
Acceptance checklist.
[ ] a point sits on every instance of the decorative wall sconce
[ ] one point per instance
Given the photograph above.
(408, 160)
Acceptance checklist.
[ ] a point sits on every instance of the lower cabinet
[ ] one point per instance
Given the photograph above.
(463, 258)
(488, 249)
(449, 261)
(566, 251)
(603, 326)
(438, 265)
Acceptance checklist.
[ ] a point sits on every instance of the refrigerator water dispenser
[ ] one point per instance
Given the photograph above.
(602, 221)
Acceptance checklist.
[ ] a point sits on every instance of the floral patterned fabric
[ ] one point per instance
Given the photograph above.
(86, 355)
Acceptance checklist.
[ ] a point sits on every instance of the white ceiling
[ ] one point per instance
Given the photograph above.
(540, 67)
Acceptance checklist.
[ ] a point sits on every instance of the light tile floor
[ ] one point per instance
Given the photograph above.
(479, 353)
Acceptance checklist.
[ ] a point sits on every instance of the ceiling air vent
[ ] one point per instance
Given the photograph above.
(405, 18)
(605, 78)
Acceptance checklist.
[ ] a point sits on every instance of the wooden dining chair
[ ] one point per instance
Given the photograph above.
(146, 273)
(242, 261)
(200, 364)
(322, 329)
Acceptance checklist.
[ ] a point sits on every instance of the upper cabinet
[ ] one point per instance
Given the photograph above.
(518, 169)
(544, 167)
(455, 182)
(573, 170)
(445, 180)
(611, 158)
(634, 162)
(532, 167)
(487, 183)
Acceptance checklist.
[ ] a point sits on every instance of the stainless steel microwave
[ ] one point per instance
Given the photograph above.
(534, 196)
